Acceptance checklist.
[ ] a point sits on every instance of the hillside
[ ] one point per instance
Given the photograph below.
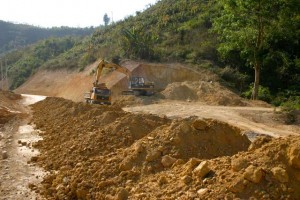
(194, 137)
(185, 32)
(15, 36)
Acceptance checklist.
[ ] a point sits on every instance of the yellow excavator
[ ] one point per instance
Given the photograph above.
(100, 94)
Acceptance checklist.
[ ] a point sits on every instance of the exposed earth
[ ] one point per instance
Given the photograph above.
(193, 139)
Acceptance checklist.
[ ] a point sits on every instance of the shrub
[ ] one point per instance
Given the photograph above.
(264, 93)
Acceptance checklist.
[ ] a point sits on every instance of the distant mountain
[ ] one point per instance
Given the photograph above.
(14, 36)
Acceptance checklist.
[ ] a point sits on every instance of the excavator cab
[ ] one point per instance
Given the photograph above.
(138, 86)
(136, 82)
(99, 95)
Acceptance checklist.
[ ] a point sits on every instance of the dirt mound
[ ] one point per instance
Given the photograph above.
(212, 93)
(269, 172)
(5, 115)
(7, 105)
(102, 152)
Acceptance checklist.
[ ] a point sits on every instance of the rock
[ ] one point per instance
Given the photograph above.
(280, 174)
(125, 165)
(178, 162)
(259, 142)
(185, 128)
(239, 164)
(194, 162)
(4, 155)
(202, 191)
(161, 149)
(253, 174)
(200, 124)
(202, 169)
(122, 194)
(237, 185)
(191, 195)
(167, 161)
(153, 155)
(186, 179)
(190, 165)
(294, 155)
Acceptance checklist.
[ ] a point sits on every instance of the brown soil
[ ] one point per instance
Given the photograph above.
(188, 141)
(251, 119)
(102, 152)
(16, 139)
(8, 106)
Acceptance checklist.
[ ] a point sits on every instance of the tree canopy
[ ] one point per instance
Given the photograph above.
(254, 28)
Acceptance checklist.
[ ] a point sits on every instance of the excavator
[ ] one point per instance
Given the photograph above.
(100, 94)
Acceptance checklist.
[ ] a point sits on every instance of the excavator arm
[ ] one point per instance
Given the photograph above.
(104, 64)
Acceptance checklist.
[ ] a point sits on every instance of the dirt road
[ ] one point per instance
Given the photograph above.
(16, 144)
(254, 120)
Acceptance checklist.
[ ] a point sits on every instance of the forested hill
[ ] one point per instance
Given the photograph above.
(14, 36)
(230, 37)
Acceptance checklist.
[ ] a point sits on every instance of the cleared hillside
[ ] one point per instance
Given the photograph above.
(72, 84)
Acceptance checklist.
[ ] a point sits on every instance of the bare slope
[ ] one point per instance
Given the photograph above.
(72, 84)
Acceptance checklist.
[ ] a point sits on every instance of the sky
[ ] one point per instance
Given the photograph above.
(72, 13)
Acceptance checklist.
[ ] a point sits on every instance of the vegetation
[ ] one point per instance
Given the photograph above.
(25, 62)
(16, 36)
(248, 28)
(230, 37)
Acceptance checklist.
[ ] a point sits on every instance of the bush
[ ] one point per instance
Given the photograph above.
(235, 77)
(293, 103)
(264, 93)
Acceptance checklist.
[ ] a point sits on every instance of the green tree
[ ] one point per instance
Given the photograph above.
(106, 19)
(246, 26)
(137, 44)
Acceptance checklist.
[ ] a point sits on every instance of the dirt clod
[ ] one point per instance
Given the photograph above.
(280, 174)
(4, 155)
(294, 155)
(253, 174)
(202, 169)
(167, 161)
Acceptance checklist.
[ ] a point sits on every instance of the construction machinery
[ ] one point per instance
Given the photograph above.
(138, 87)
(100, 94)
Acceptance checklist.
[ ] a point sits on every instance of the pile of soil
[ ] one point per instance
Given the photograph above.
(212, 93)
(5, 115)
(7, 105)
(103, 152)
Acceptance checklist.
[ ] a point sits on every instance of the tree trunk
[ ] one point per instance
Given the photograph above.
(258, 48)
(256, 81)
